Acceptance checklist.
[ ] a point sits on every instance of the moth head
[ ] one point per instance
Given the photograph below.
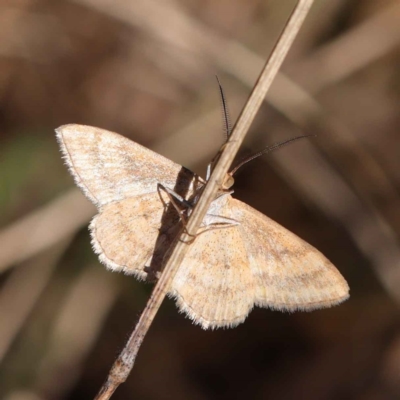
(228, 181)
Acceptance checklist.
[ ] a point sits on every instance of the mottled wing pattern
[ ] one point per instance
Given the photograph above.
(121, 177)
(289, 273)
(258, 262)
(109, 167)
(214, 285)
(125, 233)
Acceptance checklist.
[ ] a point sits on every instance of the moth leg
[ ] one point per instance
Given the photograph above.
(173, 196)
(174, 199)
(223, 223)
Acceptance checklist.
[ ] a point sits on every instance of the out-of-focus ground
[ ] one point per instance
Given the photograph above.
(145, 69)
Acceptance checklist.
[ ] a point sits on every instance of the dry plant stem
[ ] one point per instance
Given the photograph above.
(124, 363)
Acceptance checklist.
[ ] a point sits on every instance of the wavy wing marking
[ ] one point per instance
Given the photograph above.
(109, 167)
(134, 233)
(214, 285)
(289, 273)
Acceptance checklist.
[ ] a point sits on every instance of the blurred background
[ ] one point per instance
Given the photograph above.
(146, 69)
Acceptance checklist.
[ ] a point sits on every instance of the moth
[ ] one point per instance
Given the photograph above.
(241, 259)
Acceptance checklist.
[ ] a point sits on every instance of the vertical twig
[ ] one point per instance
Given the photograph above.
(124, 363)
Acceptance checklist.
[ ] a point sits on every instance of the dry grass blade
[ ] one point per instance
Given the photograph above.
(22, 291)
(351, 51)
(126, 359)
(75, 331)
(69, 212)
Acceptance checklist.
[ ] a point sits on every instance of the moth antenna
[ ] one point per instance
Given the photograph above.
(226, 120)
(267, 150)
